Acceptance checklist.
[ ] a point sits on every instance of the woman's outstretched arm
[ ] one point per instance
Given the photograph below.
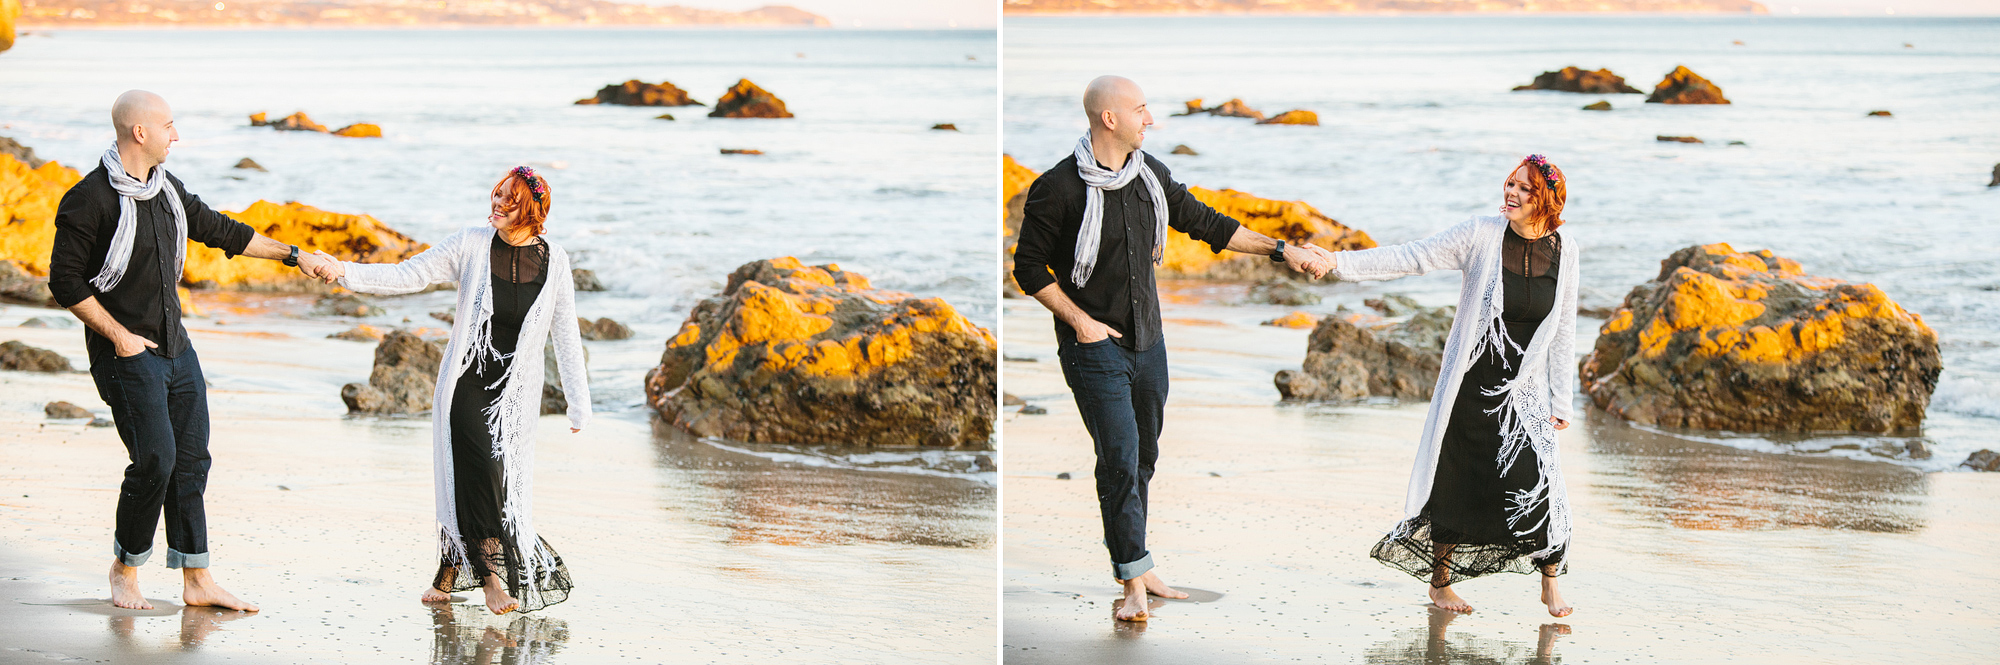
(1444, 250)
(437, 265)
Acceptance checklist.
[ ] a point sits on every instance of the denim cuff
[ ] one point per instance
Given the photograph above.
(1124, 571)
(176, 559)
(128, 558)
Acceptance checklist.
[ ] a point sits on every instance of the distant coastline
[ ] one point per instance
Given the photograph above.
(51, 14)
(1283, 7)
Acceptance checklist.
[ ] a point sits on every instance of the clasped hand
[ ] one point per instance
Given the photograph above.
(1310, 259)
(322, 266)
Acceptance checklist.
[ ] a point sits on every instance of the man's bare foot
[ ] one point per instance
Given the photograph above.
(125, 587)
(1445, 598)
(198, 589)
(497, 599)
(1552, 597)
(1133, 606)
(1154, 585)
(432, 595)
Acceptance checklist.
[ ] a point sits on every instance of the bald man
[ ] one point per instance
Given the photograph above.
(1094, 228)
(121, 239)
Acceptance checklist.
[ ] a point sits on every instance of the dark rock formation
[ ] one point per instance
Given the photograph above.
(945, 126)
(346, 304)
(796, 354)
(603, 329)
(17, 285)
(746, 100)
(585, 280)
(1394, 305)
(65, 411)
(1880, 114)
(1748, 342)
(1349, 357)
(640, 93)
(1983, 460)
(403, 380)
(1683, 86)
(1282, 291)
(296, 122)
(1575, 79)
(21, 152)
(248, 163)
(23, 358)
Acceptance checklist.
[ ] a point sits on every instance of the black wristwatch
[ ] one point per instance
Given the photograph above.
(293, 260)
(1278, 255)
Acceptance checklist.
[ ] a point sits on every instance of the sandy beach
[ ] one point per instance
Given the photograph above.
(1685, 551)
(682, 550)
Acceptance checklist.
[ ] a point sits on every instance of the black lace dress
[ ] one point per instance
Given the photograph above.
(479, 482)
(1464, 525)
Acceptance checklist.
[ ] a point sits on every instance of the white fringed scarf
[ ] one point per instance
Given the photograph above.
(1543, 386)
(1098, 179)
(129, 190)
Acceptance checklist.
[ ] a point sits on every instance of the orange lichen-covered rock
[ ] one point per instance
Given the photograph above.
(1296, 319)
(1747, 341)
(790, 353)
(1015, 179)
(296, 122)
(1683, 86)
(1234, 108)
(360, 130)
(1576, 79)
(746, 100)
(28, 200)
(1294, 221)
(10, 10)
(1293, 117)
(360, 238)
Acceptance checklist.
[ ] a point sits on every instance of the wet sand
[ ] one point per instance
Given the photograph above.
(681, 551)
(1685, 552)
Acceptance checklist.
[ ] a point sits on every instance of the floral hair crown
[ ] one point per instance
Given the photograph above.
(540, 188)
(1550, 173)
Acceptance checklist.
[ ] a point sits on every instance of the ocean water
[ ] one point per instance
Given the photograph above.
(858, 178)
(1419, 129)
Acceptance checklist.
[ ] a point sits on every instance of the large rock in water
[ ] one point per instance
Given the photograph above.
(640, 93)
(1348, 357)
(24, 153)
(28, 200)
(17, 285)
(1748, 342)
(1575, 79)
(1293, 117)
(794, 354)
(1683, 86)
(1294, 221)
(403, 380)
(746, 100)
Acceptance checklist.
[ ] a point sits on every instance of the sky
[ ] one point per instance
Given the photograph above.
(1884, 7)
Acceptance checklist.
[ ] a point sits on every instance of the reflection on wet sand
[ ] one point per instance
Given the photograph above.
(196, 625)
(760, 500)
(1705, 486)
(1433, 646)
(483, 639)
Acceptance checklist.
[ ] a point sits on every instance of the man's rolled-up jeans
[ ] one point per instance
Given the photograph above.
(1122, 396)
(161, 407)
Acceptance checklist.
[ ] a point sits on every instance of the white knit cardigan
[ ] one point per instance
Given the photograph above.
(1544, 385)
(464, 259)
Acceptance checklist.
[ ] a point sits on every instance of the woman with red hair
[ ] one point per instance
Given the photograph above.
(515, 295)
(1486, 494)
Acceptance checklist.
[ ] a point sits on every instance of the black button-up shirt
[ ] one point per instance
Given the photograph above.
(1121, 292)
(144, 301)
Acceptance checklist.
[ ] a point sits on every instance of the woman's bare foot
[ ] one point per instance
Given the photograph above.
(1445, 598)
(198, 589)
(1552, 597)
(125, 587)
(432, 595)
(497, 599)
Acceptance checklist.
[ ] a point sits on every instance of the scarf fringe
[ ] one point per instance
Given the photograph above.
(1524, 423)
(129, 189)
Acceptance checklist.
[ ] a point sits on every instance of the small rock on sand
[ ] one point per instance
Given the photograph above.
(102, 422)
(1282, 291)
(347, 304)
(1032, 410)
(65, 411)
(1984, 460)
(1394, 304)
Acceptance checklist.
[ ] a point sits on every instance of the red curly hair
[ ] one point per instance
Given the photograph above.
(1546, 198)
(517, 192)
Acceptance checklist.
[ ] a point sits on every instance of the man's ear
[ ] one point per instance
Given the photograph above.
(139, 134)
(1108, 119)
